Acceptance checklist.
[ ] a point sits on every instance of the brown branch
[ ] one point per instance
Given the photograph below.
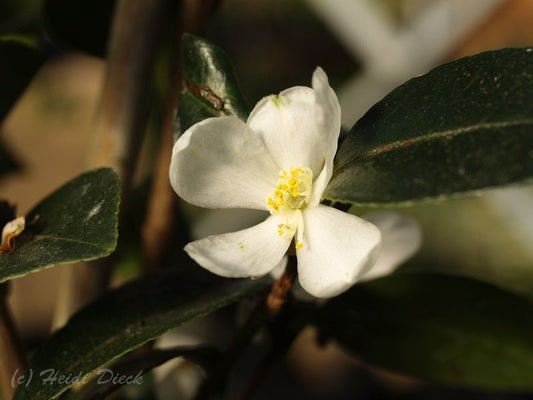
(123, 111)
(161, 216)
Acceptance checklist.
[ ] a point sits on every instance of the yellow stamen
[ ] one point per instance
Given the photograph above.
(290, 197)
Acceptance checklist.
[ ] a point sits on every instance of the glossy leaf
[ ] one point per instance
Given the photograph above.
(210, 88)
(128, 317)
(20, 59)
(82, 25)
(445, 329)
(77, 222)
(461, 127)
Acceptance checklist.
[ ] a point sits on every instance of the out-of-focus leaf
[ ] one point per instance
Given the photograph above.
(82, 25)
(128, 317)
(210, 88)
(20, 59)
(20, 16)
(463, 126)
(446, 329)
(76, 222)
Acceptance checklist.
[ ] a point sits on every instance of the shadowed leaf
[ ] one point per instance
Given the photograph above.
(445, 329)
(128, 317)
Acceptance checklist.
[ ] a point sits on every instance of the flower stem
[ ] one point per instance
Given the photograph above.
(267, 311)
(278, 294)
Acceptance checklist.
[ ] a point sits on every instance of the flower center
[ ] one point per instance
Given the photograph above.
(291, 195)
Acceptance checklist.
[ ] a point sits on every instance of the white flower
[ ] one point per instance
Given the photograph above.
(280, 160)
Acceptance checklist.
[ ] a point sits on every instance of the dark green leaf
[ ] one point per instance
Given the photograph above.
(82, 25)
(461, 127)
(76, 222)
(128, 317)
(20, 59)
(210, 87)
(441, 328)
(133, 367)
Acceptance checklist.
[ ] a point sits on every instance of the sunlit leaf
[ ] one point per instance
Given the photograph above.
(76, 222)
(210, 88)
(461, 127)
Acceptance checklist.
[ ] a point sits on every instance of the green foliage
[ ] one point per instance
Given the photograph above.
(461, 127)
(210, 88)
(82, 25)
(20, 59)
(441, 328)
(77, 222)
(128, 317)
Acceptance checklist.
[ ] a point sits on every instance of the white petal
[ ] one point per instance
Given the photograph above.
(221, 163)
(401, 237)
(251, 252)
(319, 185)
(337, 248)
(300, 126)
(280, 268)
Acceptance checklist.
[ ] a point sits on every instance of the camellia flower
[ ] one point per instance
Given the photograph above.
(280, 161)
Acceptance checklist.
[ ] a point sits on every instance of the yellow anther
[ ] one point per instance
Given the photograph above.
(292, 192)
(289, 198)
